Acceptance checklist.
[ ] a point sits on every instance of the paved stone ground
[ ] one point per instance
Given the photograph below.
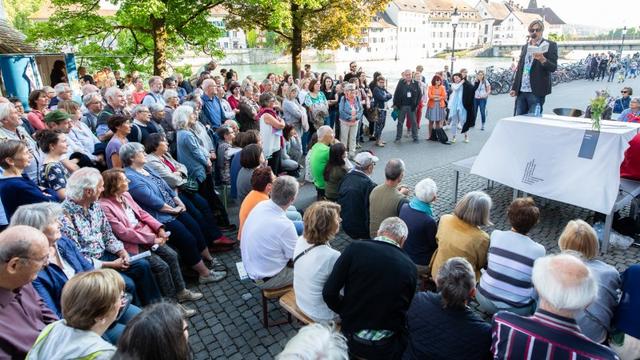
(228, 325)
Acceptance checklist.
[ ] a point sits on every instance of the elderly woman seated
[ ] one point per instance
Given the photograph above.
(160, 201)
(192, 154)
(85, 223)
(139, 231)
(176, 176)
(91, 302)
(459, 234)
(595, 321)
(418, 215)
(65, 261)
(446, 315)
(506, 285)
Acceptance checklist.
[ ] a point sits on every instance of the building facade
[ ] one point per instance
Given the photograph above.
(379, 42)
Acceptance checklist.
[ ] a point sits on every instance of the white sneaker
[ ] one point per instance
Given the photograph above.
(213, 276)
(459, 127)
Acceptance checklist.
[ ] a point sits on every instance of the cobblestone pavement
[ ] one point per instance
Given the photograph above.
(228, 325)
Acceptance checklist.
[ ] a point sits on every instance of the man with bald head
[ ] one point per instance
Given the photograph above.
(565, 286)
(24, 251)
(211, 108)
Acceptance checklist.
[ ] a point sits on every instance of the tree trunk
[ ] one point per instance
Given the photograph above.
(296, 40)
(159, 46)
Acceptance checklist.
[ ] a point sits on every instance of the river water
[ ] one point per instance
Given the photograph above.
(391, 69)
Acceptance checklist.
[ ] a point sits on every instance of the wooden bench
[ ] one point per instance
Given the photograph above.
(288, 302)
(269, 294)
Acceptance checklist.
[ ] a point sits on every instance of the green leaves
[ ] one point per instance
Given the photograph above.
(139, 31)
(322, 24)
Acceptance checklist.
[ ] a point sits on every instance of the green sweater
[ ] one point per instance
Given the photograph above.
(319, 160)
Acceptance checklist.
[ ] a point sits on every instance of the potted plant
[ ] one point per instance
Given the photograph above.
(598, 107)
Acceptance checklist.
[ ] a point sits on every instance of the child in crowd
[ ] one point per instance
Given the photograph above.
(224, 153)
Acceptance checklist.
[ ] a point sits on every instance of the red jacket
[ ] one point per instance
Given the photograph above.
(142, 234)
(630, 167)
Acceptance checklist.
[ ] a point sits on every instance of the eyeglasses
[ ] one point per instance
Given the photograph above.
(533, 30)
(43, 262)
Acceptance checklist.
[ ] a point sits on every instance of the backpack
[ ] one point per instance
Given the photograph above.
(440, 135)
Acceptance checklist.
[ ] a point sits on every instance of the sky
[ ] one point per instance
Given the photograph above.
(606, 14)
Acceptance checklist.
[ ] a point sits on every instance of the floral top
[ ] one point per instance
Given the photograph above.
(90, 230)
(54, 176)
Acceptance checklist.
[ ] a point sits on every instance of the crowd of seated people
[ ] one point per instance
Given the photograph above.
(88, 186)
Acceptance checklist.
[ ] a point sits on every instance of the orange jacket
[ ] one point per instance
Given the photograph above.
(433, 92)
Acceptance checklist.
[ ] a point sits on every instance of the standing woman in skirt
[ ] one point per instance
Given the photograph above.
(436, 105)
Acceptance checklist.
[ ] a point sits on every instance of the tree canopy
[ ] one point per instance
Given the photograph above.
(139, 30)
(321, 24)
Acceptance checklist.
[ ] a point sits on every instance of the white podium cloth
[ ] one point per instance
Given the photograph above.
(540, 156)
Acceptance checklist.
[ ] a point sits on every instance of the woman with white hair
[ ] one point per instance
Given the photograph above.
(192, 153)
(579, 238)
(459, 234)
(153, 195)
(316, 341)
(65, 262)
(418, 215)
(442, 325)
(294, 113)
(350, 114)
(172, 101)
(85, 223)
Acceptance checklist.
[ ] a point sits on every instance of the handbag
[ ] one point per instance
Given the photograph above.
(371, 114)
(441, 136)
(395, 113)
(191, 186)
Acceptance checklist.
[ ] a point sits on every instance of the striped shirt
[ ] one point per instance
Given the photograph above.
(507, 280)
(542, 336)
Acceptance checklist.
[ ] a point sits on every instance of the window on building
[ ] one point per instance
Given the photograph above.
(486, 29)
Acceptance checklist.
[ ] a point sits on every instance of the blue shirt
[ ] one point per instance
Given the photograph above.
(17, 191)
(51, 278)
(212, 111)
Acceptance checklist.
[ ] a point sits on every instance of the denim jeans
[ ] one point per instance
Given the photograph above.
(526, 103)
(187, 238)
(117, 328)
(141, 274)
(201, 212)
(382, 117)
(482, 104)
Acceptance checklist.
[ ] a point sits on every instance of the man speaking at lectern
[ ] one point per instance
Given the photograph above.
(538, 59)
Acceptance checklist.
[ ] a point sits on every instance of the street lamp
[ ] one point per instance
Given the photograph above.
(455, 18)
(624, 33)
